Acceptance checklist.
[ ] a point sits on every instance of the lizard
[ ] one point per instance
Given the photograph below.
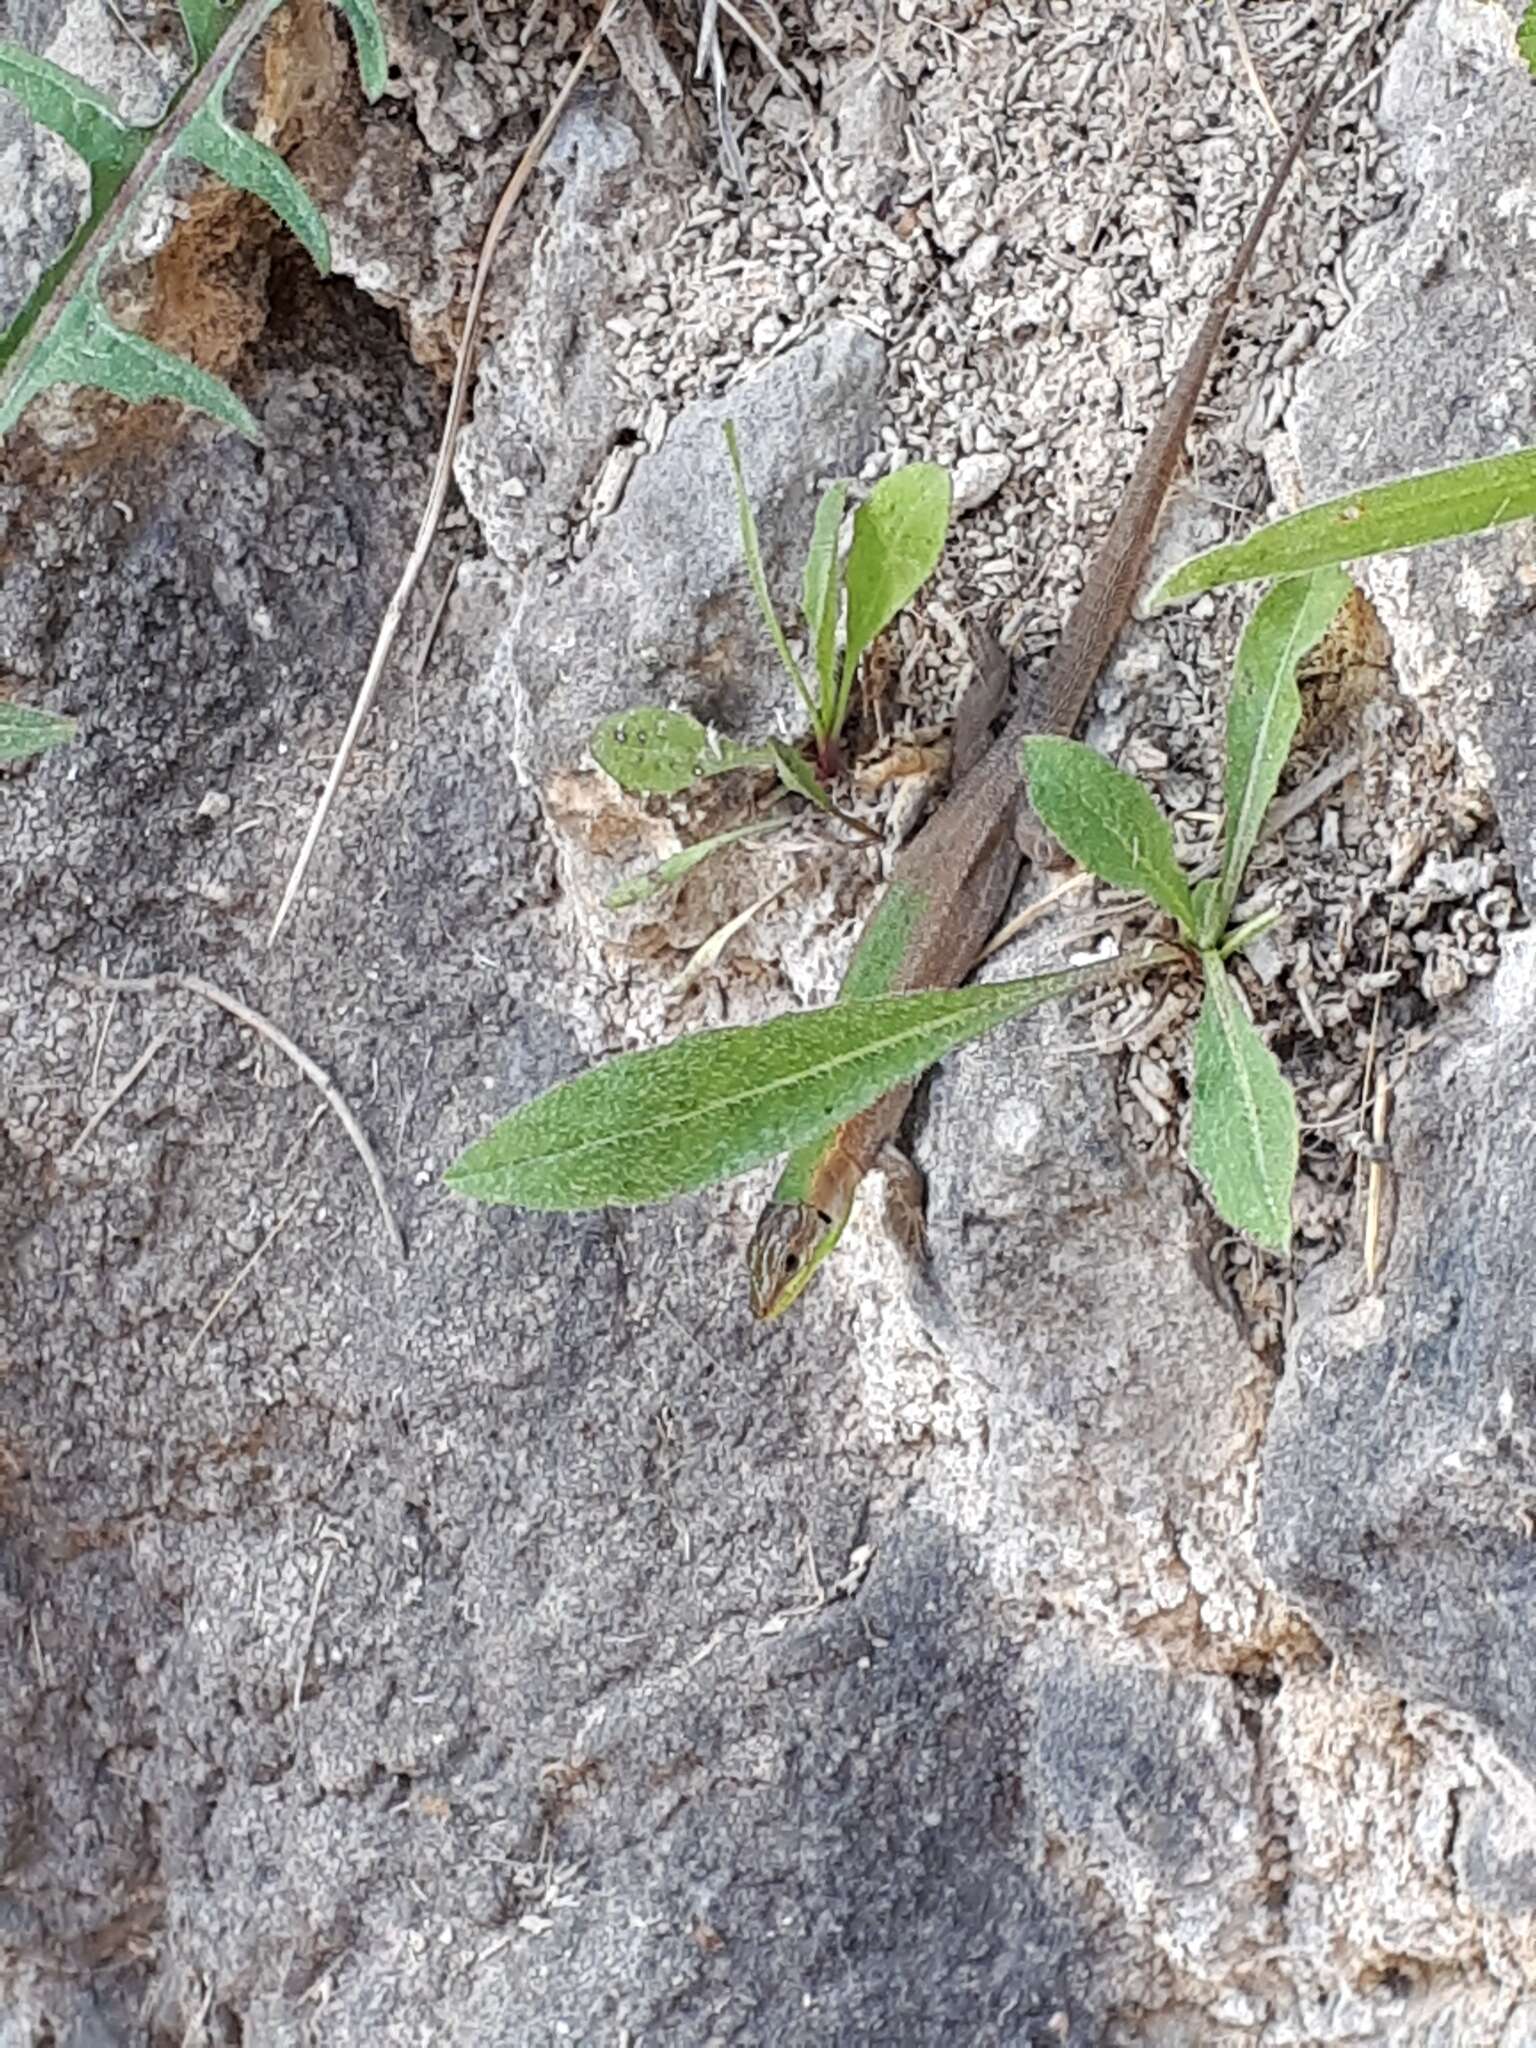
(949, 885)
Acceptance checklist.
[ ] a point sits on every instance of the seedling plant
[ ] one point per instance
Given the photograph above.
(64, 334)
(654, 1124)
(649, 1125)
(847, 603)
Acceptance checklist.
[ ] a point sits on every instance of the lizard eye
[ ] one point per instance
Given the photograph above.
(791, 1262)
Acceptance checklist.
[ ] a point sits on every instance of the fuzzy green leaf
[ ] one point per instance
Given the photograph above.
(653, 881)
(1525, 38)
(1243, 1134)
(1107, 821)
(648, 1125)
(1265, 709)
(85, 347)
(654, 752)
(797, 775)
(58, 100)
(1208, 922)
(752, 554)
(898, 537)
(62, 335)
(877, 960)
(1407, 513)
(372, 53)
(24, 731)
(205, 21)
(822, 599)
(242, 161)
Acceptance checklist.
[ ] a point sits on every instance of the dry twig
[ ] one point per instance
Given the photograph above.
(442, 475)
(237, 1283)
(1376, 1186)
(99, 1116)
(194, 984)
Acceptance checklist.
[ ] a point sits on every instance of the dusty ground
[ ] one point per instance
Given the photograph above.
(1125, 1640)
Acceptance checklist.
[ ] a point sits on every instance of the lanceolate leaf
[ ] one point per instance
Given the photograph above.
(876, 961)
(823, 591)
(84, 346)
(898, 536)
(1243, 1136)
(205, 21)
(1265, 710)
(1107, 821)
(368, 35)
(24, 731)
(1407, 513)
(63, 335)
(89, 124)
(797, 775)
(752, 554)
(648, 1125)
(655, 752)
(642, 887)
(1526, 38)
(239, 159)
(1208, 922)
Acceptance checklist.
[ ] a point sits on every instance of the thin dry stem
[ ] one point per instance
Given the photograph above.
(237, 1283)
(194, 984)
(1234, 21)
(1376, 1186)
(1033, 912)
(442, 475)
(100, 1116)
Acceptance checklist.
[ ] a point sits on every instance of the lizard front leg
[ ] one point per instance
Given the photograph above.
(905, 1203)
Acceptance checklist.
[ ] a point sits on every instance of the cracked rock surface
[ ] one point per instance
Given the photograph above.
(1113, 1639)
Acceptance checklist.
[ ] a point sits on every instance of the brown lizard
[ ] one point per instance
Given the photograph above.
(949, 886)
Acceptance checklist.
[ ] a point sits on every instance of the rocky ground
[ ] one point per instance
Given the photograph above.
(1123, 1639)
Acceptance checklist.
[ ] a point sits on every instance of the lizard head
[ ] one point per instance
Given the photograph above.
(789, 1243)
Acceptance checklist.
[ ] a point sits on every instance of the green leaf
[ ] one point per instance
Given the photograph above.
(877, 959)
(1525, 38)
(1107, 821)
(1265, 710)
(1208, 922)
(797, 775)
(58, 100)
(242, 161)
(368, 35)
(205, 21)
(654, 881)
(24, 731)
(648, 1125)
(654, 752)
(824, 591)
(1243, 1134)
(85, 347)
(753, 556)
(51, 340)
(881, 952)
(1407, 513)
(1229, 942)
(898, 537)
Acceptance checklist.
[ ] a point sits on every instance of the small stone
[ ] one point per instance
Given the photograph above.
(1092, 300)
(977, 478)
(979, 258)
(469, 105)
